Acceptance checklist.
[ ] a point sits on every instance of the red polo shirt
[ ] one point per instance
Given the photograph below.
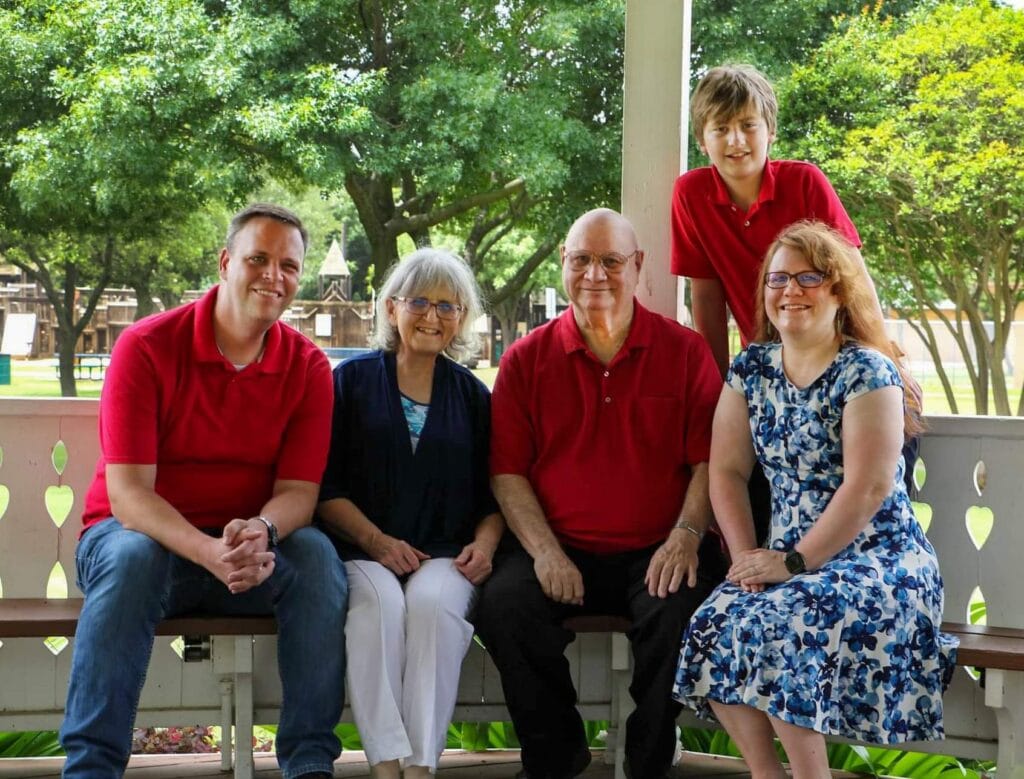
(219, 437)
(607, 449)
(713, 238)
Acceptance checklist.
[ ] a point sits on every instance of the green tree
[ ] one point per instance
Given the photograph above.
(481, 114)
(776, 36)
(920, 128)
(111, 132)
(172, 259)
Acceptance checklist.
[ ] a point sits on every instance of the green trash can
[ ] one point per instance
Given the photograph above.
(5, 369)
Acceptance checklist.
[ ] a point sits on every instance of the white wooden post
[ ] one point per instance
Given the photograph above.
(654, 133)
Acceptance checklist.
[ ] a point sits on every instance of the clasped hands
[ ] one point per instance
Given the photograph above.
(240, 557)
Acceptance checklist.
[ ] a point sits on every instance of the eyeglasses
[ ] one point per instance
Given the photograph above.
(420, 307)
(612, 262)
(807, 279)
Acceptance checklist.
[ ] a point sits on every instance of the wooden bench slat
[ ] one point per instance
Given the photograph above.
(988, 647)
(980, 645)
(41, 617)
(982, 630)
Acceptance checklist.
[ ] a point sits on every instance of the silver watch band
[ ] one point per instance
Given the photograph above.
(682, 524)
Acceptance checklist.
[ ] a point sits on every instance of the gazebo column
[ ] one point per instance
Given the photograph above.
(654, 137)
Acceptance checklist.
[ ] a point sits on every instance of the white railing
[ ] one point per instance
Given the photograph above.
(973, 466)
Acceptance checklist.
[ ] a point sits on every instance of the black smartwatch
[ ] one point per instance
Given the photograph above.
(795, 562)
(272, 536)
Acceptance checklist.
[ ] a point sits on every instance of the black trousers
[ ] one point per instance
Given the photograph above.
(522, 630)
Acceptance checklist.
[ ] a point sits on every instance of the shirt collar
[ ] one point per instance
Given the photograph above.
(204, 344)
(720, 192)
(639, 336)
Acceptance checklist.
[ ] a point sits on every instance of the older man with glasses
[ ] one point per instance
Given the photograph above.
(601, 430)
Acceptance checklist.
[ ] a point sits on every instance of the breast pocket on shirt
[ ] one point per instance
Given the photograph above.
(658, 426)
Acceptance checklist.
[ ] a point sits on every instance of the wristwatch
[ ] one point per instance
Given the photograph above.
(795, 562)
(272, 537)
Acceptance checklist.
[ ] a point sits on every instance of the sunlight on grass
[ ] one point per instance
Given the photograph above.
(38, 379)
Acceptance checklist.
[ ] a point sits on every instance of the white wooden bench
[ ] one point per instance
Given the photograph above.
(238, 684)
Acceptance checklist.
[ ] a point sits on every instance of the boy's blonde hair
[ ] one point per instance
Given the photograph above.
(727, 90)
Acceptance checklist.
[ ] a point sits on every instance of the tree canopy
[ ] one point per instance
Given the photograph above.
(919, 125)
(486, 115)
(122, 120)
(110, 121)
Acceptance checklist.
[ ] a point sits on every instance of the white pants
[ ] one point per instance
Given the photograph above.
(405, 647)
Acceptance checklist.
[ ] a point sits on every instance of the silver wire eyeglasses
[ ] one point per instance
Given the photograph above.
(612, 262)
(807, 279)
(420, 307)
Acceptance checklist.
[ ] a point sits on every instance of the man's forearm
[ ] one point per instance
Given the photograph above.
(523, 513)
(137, 506)
(291, 506)
(697, 504)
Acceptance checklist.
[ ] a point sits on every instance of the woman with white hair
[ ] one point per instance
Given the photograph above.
(406, 498)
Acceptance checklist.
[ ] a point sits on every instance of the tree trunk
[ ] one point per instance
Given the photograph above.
(923, 328)
(375, 205)
(383, 254)
(507, 323)
(62, 299)
(508, 313)
(144, 305)
(66, 344)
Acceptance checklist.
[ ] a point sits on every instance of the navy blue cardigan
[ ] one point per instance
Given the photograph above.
(433, 498)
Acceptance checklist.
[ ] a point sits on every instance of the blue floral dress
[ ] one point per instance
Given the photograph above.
(853, 648)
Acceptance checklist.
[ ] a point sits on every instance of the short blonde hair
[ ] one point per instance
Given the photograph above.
(422, 270)
(727, 90)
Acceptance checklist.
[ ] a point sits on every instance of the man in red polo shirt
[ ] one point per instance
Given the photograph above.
(214, 429)
(601, 429)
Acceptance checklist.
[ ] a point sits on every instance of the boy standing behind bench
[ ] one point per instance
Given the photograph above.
(214, 428)
(725, 216)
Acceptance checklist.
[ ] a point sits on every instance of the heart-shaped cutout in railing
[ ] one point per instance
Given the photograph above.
(923, 512)
(59, 500)
(5, 500)
(979, 520)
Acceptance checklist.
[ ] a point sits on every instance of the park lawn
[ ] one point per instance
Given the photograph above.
(37, 378)
(45, 388)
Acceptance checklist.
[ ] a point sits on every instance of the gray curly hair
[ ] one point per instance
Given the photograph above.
(420, 271)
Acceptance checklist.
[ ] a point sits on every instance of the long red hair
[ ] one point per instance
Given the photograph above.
(858, 318)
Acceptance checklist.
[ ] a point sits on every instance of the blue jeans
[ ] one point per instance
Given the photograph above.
(131, 582)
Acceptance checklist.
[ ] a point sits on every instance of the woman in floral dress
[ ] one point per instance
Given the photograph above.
(834, 627)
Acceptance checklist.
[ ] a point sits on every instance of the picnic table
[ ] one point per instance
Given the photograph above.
(91, 366)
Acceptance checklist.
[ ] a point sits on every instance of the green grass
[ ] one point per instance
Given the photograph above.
(487, 375)
(38, 379)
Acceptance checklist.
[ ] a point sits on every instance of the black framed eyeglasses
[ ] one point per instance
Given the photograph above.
(807, 279)
(420, 307)
(612, 262)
